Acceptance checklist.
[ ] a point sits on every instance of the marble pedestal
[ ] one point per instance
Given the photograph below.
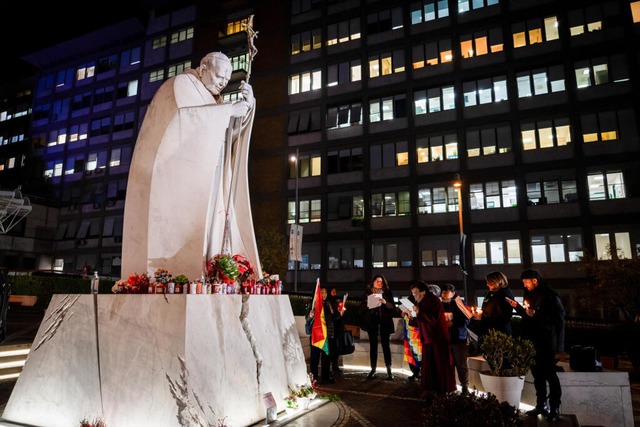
(158, 360)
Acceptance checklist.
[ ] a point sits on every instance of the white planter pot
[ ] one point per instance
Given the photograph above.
(506, 389)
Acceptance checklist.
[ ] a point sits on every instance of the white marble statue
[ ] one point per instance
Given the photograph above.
(188, 194)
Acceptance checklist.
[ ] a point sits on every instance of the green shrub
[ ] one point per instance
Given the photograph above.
(44, 287)
(299, 304)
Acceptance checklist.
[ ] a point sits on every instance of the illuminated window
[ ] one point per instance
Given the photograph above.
(174, 70)
(618, 243)
(496, 251)
(238, 26)
(434, 100)
(344, 72)
(606, 185)
(432, 53)
(156, 75)
(388, 108)
(534, 31)
(434, 199)
(306, 41)
(428, 10)
(545, 134)
(389, 155)
(493, 195)
(305, 81)
(437, 148)
(635, 11)
(182, 35)
(343, 32)
(603, 126)
(159, 42)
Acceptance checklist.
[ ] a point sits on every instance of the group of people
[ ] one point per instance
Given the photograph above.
(437, 324)
(435, 332)
(542, 323)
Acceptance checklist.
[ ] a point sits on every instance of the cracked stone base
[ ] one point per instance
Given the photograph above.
(170, 360)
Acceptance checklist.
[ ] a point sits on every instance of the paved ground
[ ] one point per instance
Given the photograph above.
(351, 402)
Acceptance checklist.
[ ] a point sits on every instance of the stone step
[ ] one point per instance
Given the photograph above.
(12, 360)
(566, 420)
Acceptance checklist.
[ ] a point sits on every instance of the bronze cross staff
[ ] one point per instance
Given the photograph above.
(251, 34)
(253, 51)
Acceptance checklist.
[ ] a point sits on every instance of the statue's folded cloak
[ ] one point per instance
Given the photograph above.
(185, 180)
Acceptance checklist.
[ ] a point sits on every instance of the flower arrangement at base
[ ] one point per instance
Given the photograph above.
(307, 390)
(138, 283)
(291, 402)
(269, 279)
(135, 284)
(181, 279)
(119, 287)
(162, 276)
(229, 268)
(95, 423)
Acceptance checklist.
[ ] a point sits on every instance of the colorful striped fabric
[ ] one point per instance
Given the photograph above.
(412, 344)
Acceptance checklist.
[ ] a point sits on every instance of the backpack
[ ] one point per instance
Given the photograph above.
(308, 326)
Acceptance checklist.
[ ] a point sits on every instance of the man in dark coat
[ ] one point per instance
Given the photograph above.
(543, 323)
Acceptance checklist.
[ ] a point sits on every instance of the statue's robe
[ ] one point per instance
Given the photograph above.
(181, 183)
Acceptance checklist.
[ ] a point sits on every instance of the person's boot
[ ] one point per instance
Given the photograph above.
(372, 374)
(541, 408)
(389, 373)
(554, 414)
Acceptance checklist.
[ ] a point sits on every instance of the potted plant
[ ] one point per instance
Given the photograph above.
(181, 281)
(509, 360)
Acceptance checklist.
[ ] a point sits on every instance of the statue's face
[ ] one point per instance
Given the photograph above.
(216, 76)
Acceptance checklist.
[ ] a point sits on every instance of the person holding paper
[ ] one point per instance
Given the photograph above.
(377, 309)
(438, 375)
(458, 318)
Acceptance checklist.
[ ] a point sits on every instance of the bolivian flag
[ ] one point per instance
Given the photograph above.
(319, 329)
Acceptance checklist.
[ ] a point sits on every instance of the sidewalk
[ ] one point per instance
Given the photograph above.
(381, 403)
(354, 402)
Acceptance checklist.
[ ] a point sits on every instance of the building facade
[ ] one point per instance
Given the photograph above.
(530, 105)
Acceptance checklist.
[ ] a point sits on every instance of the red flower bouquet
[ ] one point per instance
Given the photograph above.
(229, 268)
(138, 283)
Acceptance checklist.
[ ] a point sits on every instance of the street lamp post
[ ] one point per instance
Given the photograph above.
(296, 160)
(457, 184)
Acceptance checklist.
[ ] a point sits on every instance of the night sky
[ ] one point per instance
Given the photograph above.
(26, 26)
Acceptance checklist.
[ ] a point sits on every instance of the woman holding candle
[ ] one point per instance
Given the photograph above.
(496, 312)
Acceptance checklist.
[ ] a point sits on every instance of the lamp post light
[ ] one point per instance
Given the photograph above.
(457, 184)
(296, 161)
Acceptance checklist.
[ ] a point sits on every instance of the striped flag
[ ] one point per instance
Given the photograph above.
(319, 329)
